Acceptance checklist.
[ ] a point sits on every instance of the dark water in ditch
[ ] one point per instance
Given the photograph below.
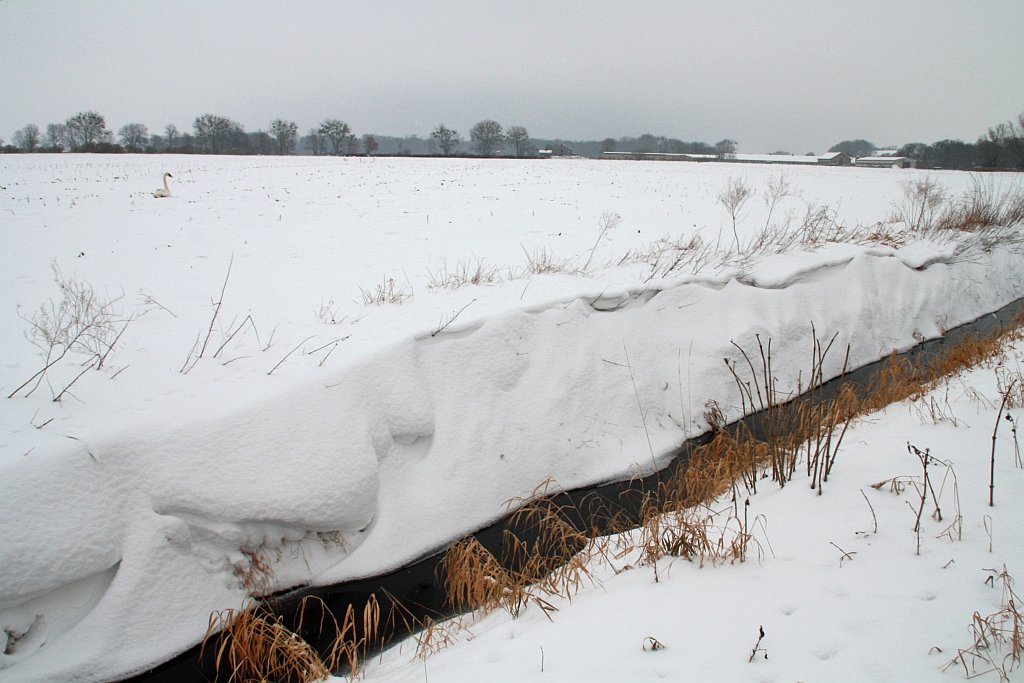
(418, 590)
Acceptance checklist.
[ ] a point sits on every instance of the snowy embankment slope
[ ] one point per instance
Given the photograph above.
(326, 439)
(835, 581)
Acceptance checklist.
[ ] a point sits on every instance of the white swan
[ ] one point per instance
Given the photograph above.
(164, 191)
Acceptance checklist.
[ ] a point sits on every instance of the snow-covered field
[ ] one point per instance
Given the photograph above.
(241, 400)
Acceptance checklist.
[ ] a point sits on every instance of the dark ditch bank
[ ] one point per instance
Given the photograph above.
(417, 591)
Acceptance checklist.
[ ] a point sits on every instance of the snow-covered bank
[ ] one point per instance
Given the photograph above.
(355, 438)
(835, 581)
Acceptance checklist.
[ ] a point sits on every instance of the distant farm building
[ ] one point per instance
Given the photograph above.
(557, 150)
(885, 162)
(834, 159)
(659, 156)
(830, 159)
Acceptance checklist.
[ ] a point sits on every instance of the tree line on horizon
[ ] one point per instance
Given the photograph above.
(1002, 146)
(212, 134)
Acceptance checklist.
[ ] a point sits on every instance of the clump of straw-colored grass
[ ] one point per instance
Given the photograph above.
(548, 554)
(476, 580)
(254, 645)
(998, 645)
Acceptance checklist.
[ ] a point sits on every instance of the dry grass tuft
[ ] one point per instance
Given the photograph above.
(998, 638)
(686, 255)
(985, 204)
(922, 204)
(713, 470)
(556, 562)
(476, 580)
(542, 261)
(255, 573)
(435, 636)
(699, 535)
(969, 353)
(254, 646)
(385, 292)
(990, 211)
(463, 274)
(680, 522)
(549, 555)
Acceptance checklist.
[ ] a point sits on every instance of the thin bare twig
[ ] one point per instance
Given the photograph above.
(87, 368)
(276, 366)
(872, 508)
(231, 335)
(217, 307)
(445, 323)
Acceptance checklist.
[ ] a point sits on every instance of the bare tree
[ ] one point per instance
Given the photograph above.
(725, 148)
(171, 131)
(315, 142)
(28, 138)
(56, 136)
(259, 142)
(447, 139)
(649, 143)
(997, 145)
(213, 133)
(608, 145)
(86, 129)
(1014, 141)
(370, 144)
(519, 138)
(285, 134)
(338, 132)
(242, 142)
(488, 137)
(134, 136)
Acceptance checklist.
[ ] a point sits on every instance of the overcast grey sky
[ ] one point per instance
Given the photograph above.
(790, 74)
